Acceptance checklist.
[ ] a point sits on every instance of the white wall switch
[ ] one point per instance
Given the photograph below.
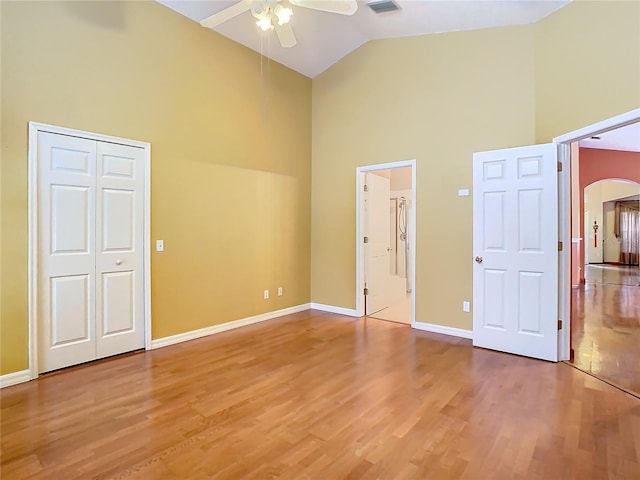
(279, 291)
(463, 192)
(466, 306)
(266, 294)
(159, 245)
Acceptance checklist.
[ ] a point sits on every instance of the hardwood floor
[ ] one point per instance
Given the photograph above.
(606, 325)
(320, 396)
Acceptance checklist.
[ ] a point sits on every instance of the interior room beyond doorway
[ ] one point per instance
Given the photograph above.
(396, 304)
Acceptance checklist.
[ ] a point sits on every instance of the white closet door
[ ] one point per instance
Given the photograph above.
(91, 226)
(119, 258)
(66, 168)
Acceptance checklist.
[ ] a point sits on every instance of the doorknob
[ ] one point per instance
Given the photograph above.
(478, 259)
(118, 262)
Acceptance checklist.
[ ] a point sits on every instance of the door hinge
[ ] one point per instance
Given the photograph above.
(559, 324)
(560, 246)
(366, 187)
(366, 291)
(366, 239)
(559, 166)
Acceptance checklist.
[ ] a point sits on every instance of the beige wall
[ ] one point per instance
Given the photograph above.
(434, 98)
(596, 196)
(232, 201)
(587, 65)
(230, 154)
(440, 98)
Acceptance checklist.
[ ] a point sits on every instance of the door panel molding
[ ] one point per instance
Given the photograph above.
(116, 168)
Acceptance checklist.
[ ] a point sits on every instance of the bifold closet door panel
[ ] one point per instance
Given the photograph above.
(120, 244)
(66, 250)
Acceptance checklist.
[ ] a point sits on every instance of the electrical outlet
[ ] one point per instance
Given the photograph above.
(159, 245)
(466, 306)
(266, 294)
(279, 291)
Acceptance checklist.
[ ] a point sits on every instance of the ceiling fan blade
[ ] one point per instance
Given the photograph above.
(226, 14)
(285, 35)
(343, 7)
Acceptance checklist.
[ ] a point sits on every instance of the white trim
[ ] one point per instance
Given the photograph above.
(147, 250)
(564, 215)
(452, 331)
(619, 121)
(223, 327)
(360, 171)
(34, 128)
(339, 310)
(14, 378)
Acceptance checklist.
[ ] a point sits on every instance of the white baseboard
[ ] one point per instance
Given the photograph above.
(339, 310)
(14, 378)
(243, 322)
(455, 332)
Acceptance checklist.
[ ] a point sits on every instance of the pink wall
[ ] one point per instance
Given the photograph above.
(596, 164)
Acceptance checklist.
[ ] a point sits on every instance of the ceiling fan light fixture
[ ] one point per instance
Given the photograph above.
(264, 23)
(283, 13)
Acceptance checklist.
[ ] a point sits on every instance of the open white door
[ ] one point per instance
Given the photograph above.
(515, 241)
(377, 248)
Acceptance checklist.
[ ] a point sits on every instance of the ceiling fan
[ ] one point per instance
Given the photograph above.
(275, 14)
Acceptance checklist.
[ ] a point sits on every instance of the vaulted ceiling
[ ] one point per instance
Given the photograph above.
(324, 38)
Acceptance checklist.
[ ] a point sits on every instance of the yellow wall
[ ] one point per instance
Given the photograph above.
(440, 98)
(230, 154)
(232, 202)
(434, 98)
(587, 65)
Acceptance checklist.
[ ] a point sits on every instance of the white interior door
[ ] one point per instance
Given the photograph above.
(393, 228)
(91, 260)
(377, 249)
(119, 263)
(67, 254)
(515, 239)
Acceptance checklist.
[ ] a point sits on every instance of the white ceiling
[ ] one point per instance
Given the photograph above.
(626, 139)
(324, 38)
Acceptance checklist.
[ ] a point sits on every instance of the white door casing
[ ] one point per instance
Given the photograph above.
(91, 206)
(515, 239)
(377, 249)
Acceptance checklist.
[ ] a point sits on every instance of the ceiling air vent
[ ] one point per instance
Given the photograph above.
(383, 6)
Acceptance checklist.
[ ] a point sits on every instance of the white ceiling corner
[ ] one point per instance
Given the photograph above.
(626, 139)
(325, 38)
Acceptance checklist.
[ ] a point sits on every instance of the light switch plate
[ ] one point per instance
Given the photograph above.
(159, 245)
(279, 291)
(463, 192)
(466, 306)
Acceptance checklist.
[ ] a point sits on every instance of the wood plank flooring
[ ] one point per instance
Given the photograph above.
(606, 325)
(320, 396)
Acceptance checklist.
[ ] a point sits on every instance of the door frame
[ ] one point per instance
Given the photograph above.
(564, 206)
(33, 213)
(360, 171)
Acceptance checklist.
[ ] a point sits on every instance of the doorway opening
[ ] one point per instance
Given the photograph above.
(605, 277)
(572, 270)
(385, 253)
